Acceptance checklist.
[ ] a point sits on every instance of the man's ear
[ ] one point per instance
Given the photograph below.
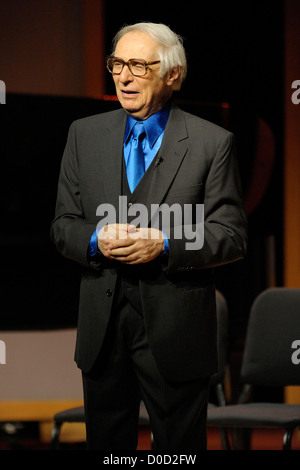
(173, 78)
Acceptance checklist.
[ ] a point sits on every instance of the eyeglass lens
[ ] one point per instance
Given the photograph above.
(137, 67)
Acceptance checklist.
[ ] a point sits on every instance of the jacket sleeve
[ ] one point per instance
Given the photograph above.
(224, 228)
(70, 231)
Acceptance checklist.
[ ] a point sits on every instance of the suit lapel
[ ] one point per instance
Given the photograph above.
(171, 154)
(112, 166)
(173, 150)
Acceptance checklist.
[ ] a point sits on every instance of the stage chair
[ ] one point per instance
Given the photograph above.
(274, 325)
(39, 377)
(76, 414)
(219, 378)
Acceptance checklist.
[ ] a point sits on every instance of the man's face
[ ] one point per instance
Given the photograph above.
(141, 96)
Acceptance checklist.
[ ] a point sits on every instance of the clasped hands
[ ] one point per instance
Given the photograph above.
(130, 245)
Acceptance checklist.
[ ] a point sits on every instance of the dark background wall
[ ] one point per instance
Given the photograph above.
(236, 72)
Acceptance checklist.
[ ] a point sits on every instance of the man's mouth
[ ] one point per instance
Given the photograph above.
(129, 92)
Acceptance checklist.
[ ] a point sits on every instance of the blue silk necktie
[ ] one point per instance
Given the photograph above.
(136, 163)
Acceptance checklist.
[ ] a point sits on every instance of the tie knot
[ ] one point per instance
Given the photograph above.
(138, 131)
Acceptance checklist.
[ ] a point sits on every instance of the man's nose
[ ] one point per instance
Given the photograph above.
(126, 75)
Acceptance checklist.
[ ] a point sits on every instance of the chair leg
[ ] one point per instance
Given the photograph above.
(225, 444)
(55, 436)
(241, 438)
(287, 439)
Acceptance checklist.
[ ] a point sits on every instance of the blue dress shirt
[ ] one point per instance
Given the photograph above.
(154, 127)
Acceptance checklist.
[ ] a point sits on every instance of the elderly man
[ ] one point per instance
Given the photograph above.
(146, 326)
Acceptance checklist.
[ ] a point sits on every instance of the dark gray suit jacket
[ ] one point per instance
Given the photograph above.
(198, 166)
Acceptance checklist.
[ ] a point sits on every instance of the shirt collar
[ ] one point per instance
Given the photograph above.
(154, 125)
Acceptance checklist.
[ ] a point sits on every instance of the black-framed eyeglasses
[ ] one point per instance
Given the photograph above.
(137, 67)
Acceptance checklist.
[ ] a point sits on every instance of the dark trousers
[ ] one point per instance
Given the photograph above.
(125, 372)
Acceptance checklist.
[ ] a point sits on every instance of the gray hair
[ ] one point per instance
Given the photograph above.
(171, 51)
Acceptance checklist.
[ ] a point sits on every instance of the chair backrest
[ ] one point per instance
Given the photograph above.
(272, 332)
(222, 337)
(40, 366)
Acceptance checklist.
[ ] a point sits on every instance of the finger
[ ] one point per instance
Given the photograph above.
(132, 228)
(112, 230)
(132, 259)
(121, 251)
(119, 243)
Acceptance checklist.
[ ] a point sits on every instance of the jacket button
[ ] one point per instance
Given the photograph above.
(109, 292)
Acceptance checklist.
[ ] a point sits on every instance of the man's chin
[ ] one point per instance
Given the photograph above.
(136, 113)
(135, 110)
